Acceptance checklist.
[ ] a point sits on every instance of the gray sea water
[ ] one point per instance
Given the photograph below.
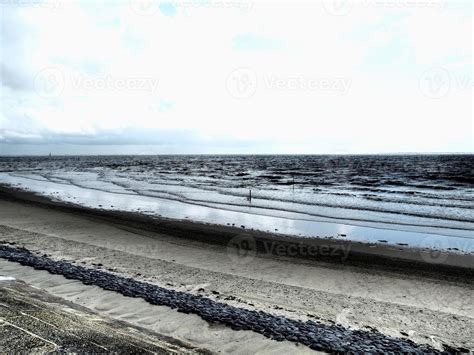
(302, 195)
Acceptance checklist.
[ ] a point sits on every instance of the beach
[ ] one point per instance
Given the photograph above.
(397, 293)
(238, 177)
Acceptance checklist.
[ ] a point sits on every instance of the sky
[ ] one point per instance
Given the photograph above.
(236, 77)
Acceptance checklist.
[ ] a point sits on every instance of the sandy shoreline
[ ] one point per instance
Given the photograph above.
(452, 264)
(429, 302)
(428, 234)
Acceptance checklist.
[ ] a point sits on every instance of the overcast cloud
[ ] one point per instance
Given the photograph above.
(150, 76)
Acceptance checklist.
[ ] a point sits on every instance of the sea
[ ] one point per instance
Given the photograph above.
(415, 200)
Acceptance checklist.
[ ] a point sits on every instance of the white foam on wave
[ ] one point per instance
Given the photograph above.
(7, 278)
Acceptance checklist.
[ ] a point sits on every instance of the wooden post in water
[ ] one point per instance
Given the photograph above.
(250, 196)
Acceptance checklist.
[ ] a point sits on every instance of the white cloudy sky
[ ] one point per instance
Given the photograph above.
(208, 76)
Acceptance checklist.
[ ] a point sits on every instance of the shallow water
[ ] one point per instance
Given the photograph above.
(417, 200)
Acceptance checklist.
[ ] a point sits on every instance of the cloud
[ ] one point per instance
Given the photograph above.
(125, 141)
(168, 9)
(11, 79)
(128, 136)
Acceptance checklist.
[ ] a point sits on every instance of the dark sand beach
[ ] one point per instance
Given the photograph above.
(261, 292)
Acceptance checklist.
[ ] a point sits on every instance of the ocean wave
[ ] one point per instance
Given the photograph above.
(413, 190)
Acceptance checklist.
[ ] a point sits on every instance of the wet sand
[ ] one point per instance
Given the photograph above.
(429, 303)
(273, 222)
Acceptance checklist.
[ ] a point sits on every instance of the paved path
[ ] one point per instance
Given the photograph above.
(34, 321)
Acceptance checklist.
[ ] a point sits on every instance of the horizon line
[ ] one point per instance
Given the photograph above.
(237, 154)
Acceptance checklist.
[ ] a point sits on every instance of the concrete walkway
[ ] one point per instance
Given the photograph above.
(32, 320)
